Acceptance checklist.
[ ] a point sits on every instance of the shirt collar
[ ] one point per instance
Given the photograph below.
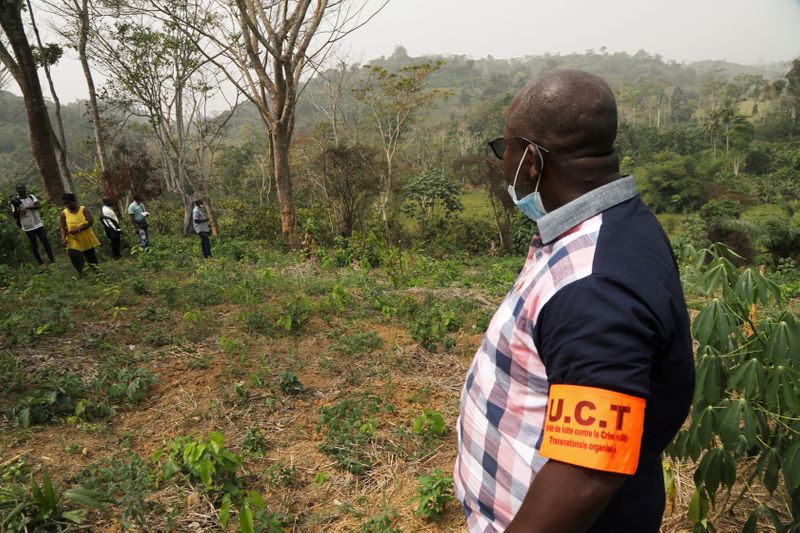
(557, 222)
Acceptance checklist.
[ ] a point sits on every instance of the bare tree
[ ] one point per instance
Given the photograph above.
(18, 58)
(328, 97)
(75, 26)
(155, 72)
(207, 134)
(265, 47)
(395, 98)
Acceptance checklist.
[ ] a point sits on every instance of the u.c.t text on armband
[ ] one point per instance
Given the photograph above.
(594, 428)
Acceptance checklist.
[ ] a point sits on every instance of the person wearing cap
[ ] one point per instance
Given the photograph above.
(25, 208)
(200, 221)
(77, 234)
(586, 371)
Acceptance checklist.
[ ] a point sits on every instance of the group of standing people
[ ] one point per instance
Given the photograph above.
(77, 235)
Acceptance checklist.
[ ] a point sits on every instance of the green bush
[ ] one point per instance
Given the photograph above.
(433, 494)
(349, 427)
(745, 415)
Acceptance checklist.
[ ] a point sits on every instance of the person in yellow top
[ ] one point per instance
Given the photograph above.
(77, 235)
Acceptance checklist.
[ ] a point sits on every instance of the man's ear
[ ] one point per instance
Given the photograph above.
(535, 162)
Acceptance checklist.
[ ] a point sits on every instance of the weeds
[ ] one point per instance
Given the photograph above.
(429, 423)
(381, 523)
(358, 343)
(27, 506)
(290, 383)
(128, 480)
(349, 426)
(254, 442)
(433, 494)
(295, 315)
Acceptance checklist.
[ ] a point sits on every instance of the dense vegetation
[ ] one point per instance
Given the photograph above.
(317, 388)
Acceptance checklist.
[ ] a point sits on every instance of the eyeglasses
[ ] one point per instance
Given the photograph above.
(499, 146)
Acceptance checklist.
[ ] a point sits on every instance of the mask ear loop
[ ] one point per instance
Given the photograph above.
(516, 174)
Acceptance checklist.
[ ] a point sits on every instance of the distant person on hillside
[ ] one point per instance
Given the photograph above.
(200, 221)
(112, 228)
(77, 234)
(25, 209)
(586, 371)
(138, 215)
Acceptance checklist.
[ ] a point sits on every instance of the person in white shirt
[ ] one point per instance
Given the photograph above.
(200, 221)
(138, 215)
(111, 226)
(26, 209)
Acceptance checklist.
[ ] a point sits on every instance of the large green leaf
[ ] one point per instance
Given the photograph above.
(791, 468)
(698, 507)
(710, 378)
(89, 497)
(783, 340)
(714, 326)
(225, 511)
(747, 378)
(703, 425)
(205, 470)
(751, 287)
(769, 464)
(728, 423)
(246, 524)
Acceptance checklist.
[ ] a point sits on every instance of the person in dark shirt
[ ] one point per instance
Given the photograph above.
(586, 371)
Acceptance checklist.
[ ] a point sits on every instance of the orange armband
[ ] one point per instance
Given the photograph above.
(594, 428)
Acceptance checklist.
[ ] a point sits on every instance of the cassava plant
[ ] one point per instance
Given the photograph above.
(745, 420)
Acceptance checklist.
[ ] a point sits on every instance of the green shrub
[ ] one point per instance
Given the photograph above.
(290, 383)
(746, 407)
(127, 480)
(429, 423)
(27, 506)
(349, 426)
(206, 461)
(433, 494)
(381, 523)
(295, 315)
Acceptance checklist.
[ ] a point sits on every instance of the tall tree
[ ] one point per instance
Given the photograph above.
(265, 48)
(155, 73)
(20, 62)
(46, 56)
(76, 17)
(395, 99)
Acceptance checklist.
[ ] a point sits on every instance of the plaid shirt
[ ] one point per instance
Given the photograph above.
(505, 397)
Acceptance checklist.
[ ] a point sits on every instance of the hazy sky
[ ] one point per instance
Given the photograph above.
(742, 31)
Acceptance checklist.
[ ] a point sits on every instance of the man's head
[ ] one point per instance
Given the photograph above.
(108, 202)
(22, 190)
(573, 115)
(198, 202)
(70, 201)
(137, 198)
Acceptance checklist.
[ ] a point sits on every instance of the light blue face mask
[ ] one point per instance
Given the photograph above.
(531, 206)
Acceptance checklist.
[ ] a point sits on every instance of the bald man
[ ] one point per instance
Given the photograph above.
(586, 371)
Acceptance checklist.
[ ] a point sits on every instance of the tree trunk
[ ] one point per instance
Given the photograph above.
(384, 197)
(24, 71)
(188, 206)
(99, 141)
(60, 138)
(212, 218)
(279, 138)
